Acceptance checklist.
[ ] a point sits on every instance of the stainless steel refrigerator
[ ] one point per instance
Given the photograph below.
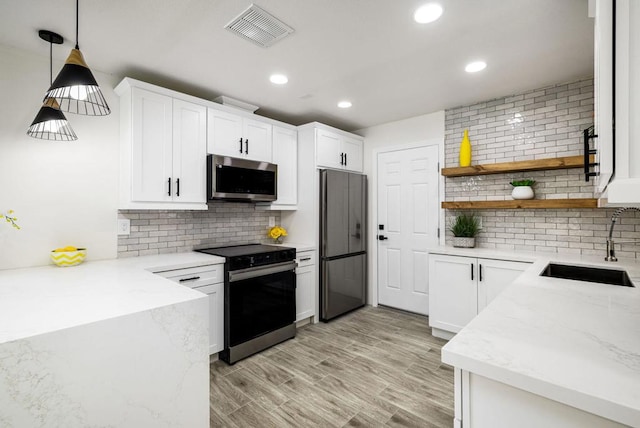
(343, 256)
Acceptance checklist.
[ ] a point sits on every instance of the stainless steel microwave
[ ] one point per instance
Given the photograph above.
(241, 179)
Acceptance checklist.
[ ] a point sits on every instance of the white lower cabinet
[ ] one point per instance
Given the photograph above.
(305, 285)
(481, 402)
(215, 294)
(461, 287)
(209, 280)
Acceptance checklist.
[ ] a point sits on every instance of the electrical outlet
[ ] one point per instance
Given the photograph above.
(124, 226)
(479, 222)
(272, 221)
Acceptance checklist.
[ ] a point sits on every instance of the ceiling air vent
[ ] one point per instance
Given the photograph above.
(259, 27)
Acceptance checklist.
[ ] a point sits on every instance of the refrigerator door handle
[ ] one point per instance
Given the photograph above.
(323, 212)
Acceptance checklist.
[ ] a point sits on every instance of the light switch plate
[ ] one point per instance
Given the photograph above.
(124, 226)
(272, 221)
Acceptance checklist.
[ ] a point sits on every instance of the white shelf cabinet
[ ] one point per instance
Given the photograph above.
(285, 155)
(338, 151)
(305, 285)
(238, 136)
(209, 280)
(461, 287)
(163, 150)
(617, 39)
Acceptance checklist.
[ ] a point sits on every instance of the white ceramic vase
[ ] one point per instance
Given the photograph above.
(463, 242)
(522, 192)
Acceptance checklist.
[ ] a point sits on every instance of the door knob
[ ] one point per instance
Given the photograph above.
(382, 237)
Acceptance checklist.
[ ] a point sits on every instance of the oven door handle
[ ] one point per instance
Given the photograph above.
(239, 275)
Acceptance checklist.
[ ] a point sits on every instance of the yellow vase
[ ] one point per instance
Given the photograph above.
(465, 149)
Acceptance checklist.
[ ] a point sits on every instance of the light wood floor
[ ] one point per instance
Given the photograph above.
(375, 367)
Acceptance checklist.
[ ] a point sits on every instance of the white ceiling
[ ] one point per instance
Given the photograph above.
(368, 51)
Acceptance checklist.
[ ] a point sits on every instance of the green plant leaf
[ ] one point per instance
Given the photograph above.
(465, 226)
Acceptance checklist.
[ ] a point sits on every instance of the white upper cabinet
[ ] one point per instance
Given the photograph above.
(163, 149)
(285, 155)
(338, 151)
(152, 148)
(238, 136)
(618, 40)
(189, 149)
(352, 148)
(224, 131)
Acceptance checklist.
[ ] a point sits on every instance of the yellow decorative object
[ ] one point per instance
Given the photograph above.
(65, 258)
(276, 233)
(465, 150)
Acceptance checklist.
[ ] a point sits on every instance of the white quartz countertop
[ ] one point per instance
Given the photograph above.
(574, 342)
(44, 299)
(299, 246)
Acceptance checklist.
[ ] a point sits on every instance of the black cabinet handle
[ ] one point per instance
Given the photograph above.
(169, 181)
(345, 159)
(341, 158)
(241, 145)
(246, 146)
(471, 271)
(178, 187)
(193, 278)
(306, 259)
(480, 273)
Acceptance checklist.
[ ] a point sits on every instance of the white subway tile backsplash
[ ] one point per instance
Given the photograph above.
(537, 124)
(165, 232)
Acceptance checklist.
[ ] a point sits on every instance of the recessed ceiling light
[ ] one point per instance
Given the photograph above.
(344, 104)
(474, 67)
(427, 13)
(278, 79)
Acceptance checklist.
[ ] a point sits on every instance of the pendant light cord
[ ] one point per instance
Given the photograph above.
(50, 63)
(77, 6)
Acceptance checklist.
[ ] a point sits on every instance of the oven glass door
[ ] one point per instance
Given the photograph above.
(259, 301)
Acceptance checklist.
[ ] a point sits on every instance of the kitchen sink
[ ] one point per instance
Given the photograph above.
(590, 274)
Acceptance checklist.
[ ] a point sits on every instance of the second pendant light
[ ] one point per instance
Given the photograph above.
(75, 88)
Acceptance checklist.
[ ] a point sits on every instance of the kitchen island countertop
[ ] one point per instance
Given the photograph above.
(574, 342)
(44, 299)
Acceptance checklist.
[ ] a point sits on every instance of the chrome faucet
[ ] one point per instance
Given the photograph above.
(611, 253)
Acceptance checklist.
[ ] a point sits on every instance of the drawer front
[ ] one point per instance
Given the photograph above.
(306, 258)
(190, 277)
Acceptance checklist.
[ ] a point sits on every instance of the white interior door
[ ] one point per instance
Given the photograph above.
(408, 213)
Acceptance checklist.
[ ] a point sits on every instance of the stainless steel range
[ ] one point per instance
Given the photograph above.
(259, 298)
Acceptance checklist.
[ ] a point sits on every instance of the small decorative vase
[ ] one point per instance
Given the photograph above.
(522, 192)
(278, 240)
(463, 242)
(465, 149)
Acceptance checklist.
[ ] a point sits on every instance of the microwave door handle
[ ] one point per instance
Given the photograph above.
(240, 145)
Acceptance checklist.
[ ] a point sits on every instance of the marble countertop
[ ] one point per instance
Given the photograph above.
(299, 246)
(574, 342)
(40, 300)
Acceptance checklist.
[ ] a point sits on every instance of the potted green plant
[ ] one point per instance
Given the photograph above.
(465, 227)
(522, 189)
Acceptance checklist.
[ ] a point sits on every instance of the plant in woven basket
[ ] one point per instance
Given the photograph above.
(465, 226)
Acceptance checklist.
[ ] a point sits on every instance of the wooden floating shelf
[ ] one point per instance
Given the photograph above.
(567, 162)
(522, 204)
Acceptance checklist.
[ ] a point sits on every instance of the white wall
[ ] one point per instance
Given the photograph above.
(63, 193)
(427, 127)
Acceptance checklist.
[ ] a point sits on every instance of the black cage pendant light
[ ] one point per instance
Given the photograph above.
(50, 123)
(75, 88)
